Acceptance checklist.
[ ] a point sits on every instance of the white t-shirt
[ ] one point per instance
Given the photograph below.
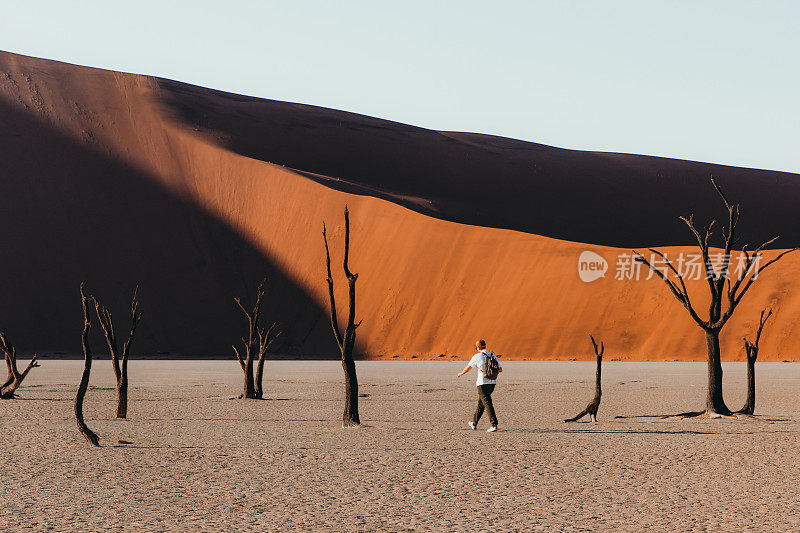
(477, 362)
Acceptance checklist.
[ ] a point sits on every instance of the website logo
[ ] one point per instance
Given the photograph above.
(591, 266)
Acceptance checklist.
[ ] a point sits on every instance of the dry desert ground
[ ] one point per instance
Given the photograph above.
(199, 461)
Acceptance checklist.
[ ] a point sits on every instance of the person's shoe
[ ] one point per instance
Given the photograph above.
(471, 425)
(491, 429)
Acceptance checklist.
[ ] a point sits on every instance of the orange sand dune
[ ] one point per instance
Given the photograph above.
(115, 179)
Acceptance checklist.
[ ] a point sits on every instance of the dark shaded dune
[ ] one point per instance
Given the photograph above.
(116, 178)
(70, 214)
(600, 198)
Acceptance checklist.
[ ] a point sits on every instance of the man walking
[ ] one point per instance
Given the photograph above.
(488, 366)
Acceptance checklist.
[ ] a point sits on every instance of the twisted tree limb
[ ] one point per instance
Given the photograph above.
(14, 380)
(591, 409)
(90, 435)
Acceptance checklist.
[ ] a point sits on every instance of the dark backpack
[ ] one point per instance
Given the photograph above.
(491, 367)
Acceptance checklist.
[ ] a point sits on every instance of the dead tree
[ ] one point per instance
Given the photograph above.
(255, 344)
(591, 409)
(347, 341)
(90, 435)
(15, 377)
(751, 349)
(722, 289)
(120, 361)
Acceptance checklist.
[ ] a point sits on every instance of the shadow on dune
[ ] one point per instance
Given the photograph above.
(70, 214)
(592, 197)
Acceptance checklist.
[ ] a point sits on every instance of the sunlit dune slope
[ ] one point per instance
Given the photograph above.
(115, 179)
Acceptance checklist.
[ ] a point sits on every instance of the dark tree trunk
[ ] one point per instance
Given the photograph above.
(87, 370)
(750, 404)
(715, 404)
(265, 341)
(347, 341)
(259, 379)
(350, 416)
(751, 349)
(249, 386)
(593, 406)
(122, 396)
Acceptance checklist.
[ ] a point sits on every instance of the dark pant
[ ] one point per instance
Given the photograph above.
(485, 401)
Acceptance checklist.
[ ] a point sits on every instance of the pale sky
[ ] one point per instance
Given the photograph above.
(715, 81)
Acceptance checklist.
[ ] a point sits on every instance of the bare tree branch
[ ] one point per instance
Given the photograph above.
(239, 357)
(737, 291)
(346, 342)
(119, 360)
(334, 319)
(680, 293)
(255, 346)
